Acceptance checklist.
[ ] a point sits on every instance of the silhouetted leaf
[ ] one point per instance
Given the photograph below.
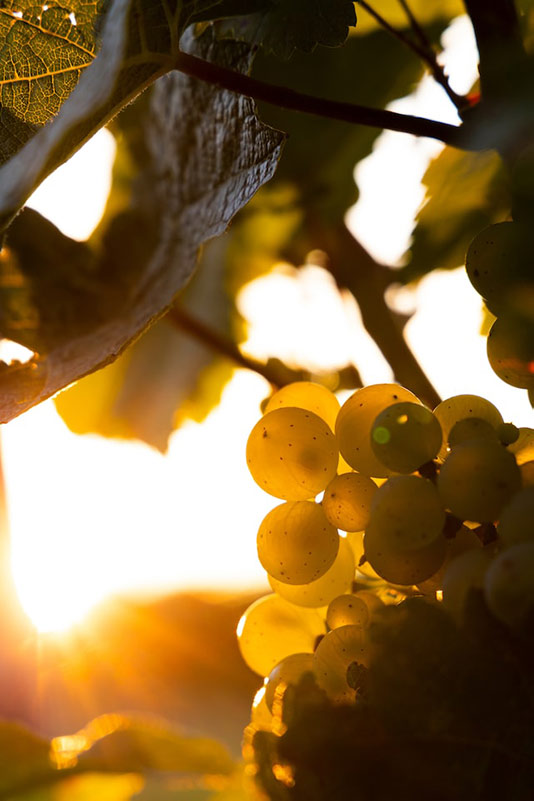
(285, 25)
(208, 155)
(465, 193)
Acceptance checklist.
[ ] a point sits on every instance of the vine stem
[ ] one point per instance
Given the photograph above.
(297, 101)
(274, 371)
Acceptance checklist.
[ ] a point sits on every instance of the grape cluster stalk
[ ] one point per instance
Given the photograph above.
(382, 499)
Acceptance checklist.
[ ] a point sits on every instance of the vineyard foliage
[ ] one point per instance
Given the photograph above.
(238, 125)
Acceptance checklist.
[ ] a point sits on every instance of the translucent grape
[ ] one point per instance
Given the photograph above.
(464, 540)
(307, 395)
(271, 629)
(336, 651)
(347, 501)
(472, 428)
(371, 600)
(347, 610)
(287, 672)
(527, 473)
(477, 479)
(405, 436)
(404, 567)
(508, 433)
(451, 410)
(499, 260)
(292, 454)
(517, 519)
(406, 514)
(354, 422)
(296, 543)
(464, 572)
(509, 586)
(523, 447)
(355, 540)
(511, 350)
(337, 579)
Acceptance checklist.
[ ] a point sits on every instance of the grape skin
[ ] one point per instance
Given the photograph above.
(464, 572)
(354, 422)
(347, 610)
(517, 519)
(405, 436)
(347, 501)
(296, 543)
(336, 651)
(458, 407)
(307, 395)
(292, 454)
(477, 479)
(403, 567)
(510, 347)
(287, 672)
(337, 579)
(509, 586)
(271, 629)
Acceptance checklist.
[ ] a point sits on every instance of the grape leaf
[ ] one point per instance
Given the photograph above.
(465, 193)
(425, 13)
(209, 155)
(287, 25)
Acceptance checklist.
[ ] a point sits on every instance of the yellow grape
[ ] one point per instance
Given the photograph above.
(287, 672)
(523, 447)
(452, 410)
(354, 422)
(477, 479)
(527, 473)
(347, 610)
(272, 628)
(509, 585)
(371, 600)
(296, 543)
(464, 540)
(516, 523)
(337, 579)
(405, 436)
(292, 454)
(355, 540)
(510, 347)
(403, 567)
(336, 651)
(307, 395)
(464, 572)
(347, 501)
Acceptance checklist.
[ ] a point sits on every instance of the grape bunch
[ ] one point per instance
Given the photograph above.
(499, 265)
(429, 503)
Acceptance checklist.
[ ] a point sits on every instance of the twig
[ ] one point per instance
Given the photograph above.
(276, 372)
(297, 101)
(424, 50)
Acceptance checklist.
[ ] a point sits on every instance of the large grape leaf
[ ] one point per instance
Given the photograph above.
(286, 25)
(208, 155)
(465, 192)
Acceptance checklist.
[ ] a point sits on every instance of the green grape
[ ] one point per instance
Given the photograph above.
(287, 672)
(508, 433)
(296, 543)
(523, 447)
(509, 586)
(527, 473)
(477, 479)
(307, 395)
(272, 628)
(336, 651)
(511, 350)
(499, 262)
(403, 567)
(451, 410)
(347, 501)
(292, 454)
(406, 514)
(347, 610)
(516, 524)
(355, 540)
(354, 422)
(472, 428)
(337, 579)
(464, 540)
(405, 436)
(463, 573)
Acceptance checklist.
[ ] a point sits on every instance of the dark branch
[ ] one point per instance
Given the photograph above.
(296, 101)
(423, 50)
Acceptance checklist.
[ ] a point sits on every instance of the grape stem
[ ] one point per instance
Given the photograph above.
(283, 97)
